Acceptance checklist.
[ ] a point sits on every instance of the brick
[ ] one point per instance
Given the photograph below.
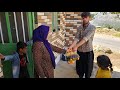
(67, 41)
(69, 25)
(72, 17)
(71, 32)
(71, 38)
(76, 19)
(79, 22)
(67, 20)
(69, 12)
(74, 30)
(47, 20)
(77, 12)
(67, 30)
(38, 17)
(77, 16)
(68, 17)
(40, 13)
(40, 20)
(66, 44)
(43, 17)
(47, 13)
(74, 22)
(67, 33)
(72, 14)
(74, 26)
(39, 24)
(49, 17)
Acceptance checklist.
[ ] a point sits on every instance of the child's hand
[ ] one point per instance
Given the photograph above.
(1, 56)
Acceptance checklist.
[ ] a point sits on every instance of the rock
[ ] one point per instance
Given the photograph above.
(108, 50)
(98, 48)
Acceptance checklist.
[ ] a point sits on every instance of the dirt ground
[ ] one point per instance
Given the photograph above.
(110, 32)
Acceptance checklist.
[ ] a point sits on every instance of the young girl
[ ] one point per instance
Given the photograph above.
(105, 67)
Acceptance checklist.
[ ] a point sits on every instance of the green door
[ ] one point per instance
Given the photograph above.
(14, 27)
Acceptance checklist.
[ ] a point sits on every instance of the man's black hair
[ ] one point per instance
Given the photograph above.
(85, 14)
(21, 45)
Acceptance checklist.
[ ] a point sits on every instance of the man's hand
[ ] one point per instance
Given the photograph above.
(70, 48)
(79, 45)
(75, 48)
(1, 56)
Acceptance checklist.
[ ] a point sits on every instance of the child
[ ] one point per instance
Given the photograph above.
(19, 61)
(105, 67)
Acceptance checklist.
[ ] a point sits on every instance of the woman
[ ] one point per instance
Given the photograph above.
(44, 59)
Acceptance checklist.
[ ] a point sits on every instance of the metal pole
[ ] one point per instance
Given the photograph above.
(33, 17)
(1, 33)
(30, 24)
(16, 26)
(52, 21)
(23, 27)
(8, 26)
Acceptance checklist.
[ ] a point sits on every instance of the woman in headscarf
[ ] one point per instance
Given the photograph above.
(43, 56)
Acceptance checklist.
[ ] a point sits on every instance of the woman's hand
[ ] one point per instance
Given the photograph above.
(69, 49)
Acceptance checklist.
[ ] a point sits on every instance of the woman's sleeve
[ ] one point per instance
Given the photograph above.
(57, 49)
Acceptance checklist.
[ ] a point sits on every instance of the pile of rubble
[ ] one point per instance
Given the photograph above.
(99, 48)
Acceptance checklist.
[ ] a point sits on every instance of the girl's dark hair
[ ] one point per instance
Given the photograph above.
(104, 62)
(21, 45)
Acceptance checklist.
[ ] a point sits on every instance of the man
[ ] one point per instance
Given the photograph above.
(19, 61)
(83, 45)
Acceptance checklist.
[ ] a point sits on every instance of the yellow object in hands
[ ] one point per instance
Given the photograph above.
(72, 56)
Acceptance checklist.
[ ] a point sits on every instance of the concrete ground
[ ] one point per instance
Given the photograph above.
(65, 70)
